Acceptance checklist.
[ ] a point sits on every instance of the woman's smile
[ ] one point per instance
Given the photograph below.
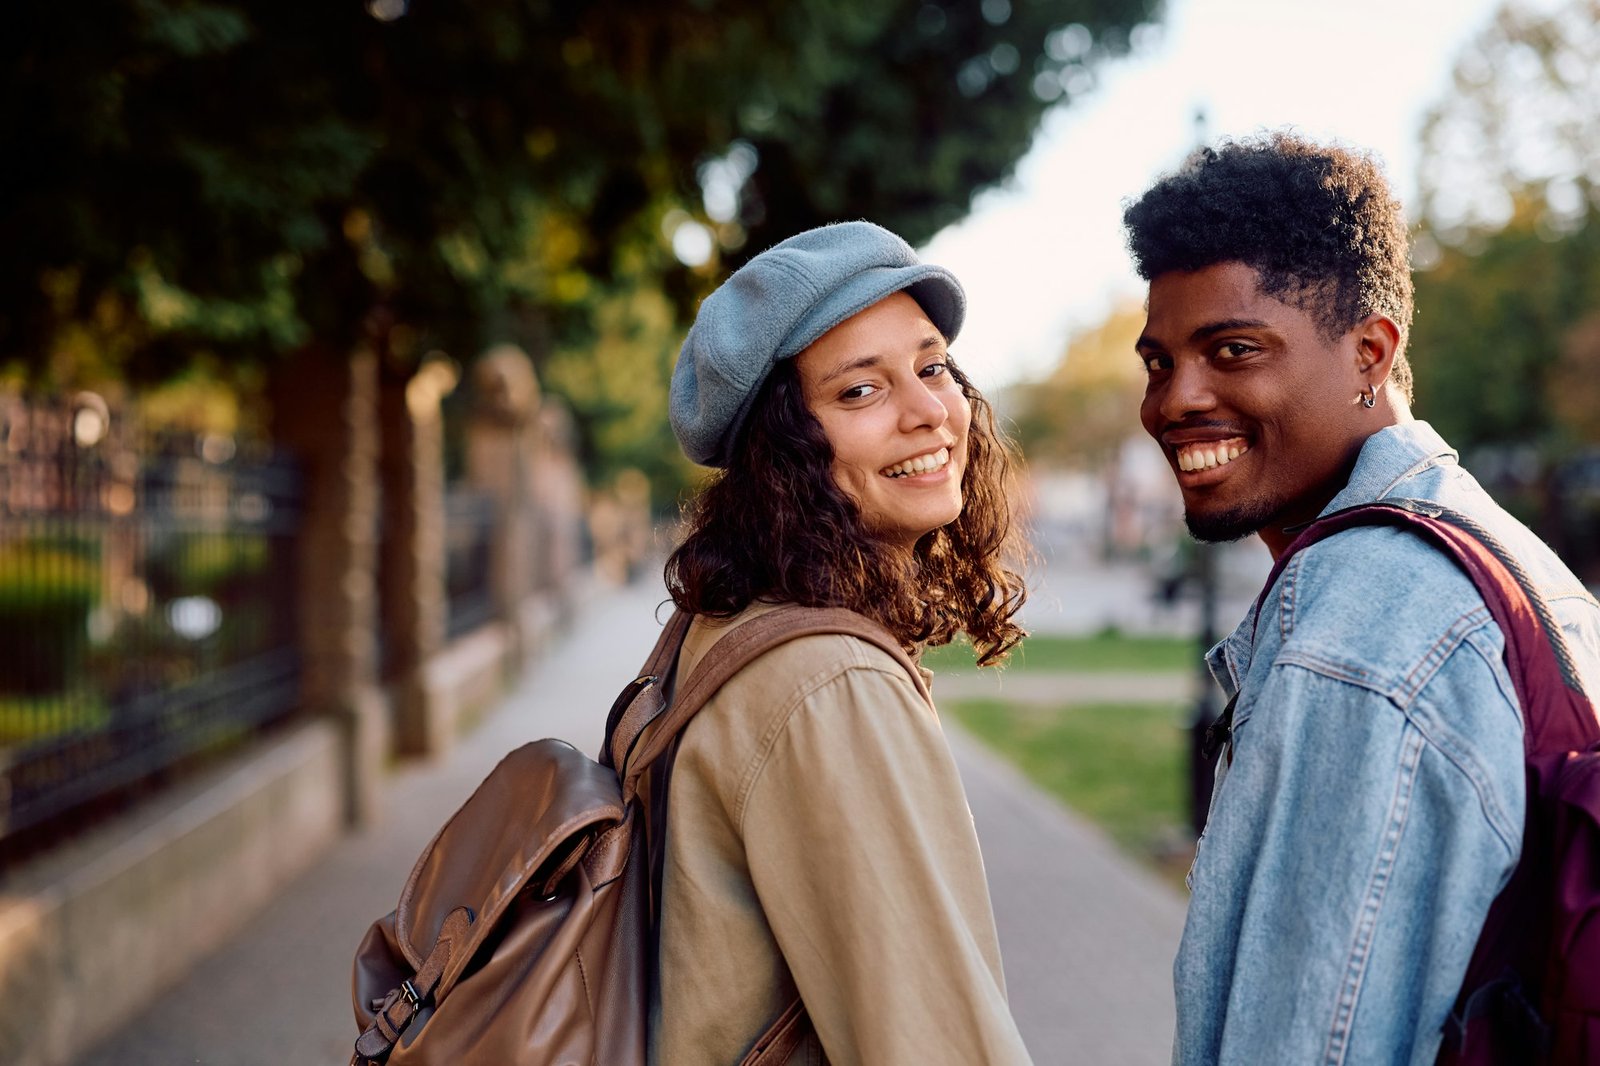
(920, 466)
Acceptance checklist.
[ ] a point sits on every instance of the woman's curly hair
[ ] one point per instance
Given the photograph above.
(775, 525)
(1318, 223)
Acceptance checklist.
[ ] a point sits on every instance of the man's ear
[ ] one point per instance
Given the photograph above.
(1377, 341)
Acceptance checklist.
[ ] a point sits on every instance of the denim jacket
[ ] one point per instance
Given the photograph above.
(1373, 807)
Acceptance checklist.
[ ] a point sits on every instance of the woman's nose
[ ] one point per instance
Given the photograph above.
(923, 408)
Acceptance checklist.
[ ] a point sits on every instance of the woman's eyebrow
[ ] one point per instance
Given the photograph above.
(868, 361)
(863, 363)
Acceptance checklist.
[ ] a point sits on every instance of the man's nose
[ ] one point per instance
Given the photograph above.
(1189, 391)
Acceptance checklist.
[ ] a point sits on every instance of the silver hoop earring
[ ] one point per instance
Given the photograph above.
(1369, 398)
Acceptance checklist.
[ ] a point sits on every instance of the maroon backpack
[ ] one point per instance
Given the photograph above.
(1532, 989)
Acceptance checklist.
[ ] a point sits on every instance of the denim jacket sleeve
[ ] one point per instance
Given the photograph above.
(1368, 819)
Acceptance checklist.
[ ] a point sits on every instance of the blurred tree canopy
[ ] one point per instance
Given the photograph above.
(1508, 254)
(226, 181)
(1080, 415)
(1520, 125)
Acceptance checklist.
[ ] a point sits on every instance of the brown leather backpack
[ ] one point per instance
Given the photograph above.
(525, 933)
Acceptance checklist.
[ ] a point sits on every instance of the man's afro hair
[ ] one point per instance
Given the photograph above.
(1318, 223)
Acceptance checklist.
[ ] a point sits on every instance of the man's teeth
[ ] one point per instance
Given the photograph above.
(920, 465)
(1210, 454)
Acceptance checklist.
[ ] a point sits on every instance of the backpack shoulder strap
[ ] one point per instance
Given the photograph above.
(1535, 646)
(640, 700)
(733, 653)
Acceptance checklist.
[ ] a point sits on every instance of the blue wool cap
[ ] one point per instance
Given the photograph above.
(775, 306)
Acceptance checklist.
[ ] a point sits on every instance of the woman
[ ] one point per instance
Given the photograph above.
(818, 841)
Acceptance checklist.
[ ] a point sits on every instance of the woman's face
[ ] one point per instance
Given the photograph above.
(897, 419)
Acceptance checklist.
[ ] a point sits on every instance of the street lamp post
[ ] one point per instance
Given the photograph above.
(1202, 771)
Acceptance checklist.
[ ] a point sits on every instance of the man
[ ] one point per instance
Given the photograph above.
(1371, 806)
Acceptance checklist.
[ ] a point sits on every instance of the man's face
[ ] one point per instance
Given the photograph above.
(1256, 409)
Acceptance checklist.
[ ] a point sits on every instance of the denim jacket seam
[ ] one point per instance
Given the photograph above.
(1338, 670)
(1425, 463)
(1286, 602)
(1377, 887)
(1439, 653)
(1583, 596)
(1404, 690)
(1445, 744)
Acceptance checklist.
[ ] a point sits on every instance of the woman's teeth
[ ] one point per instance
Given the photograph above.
(920, 465)
(1210, 454)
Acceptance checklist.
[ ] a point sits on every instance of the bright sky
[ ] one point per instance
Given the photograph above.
(1044, 255)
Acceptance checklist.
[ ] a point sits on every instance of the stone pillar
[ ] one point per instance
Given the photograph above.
(325, 410)
(412, 561)
(499, 442)
(560, 503)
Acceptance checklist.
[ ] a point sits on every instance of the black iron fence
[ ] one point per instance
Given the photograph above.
(146, 604)
(469, 533)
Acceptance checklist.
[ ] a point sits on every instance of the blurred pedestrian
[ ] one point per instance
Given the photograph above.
(819, 848)
(1371, 804)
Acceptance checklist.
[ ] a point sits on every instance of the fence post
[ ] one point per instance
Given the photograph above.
(559, 500)
(500, 432)
(325, 408)
(412, 563)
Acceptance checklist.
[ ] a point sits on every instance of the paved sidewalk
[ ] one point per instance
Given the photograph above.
(1088, 937)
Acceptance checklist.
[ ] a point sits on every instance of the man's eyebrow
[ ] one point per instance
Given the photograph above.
(1211, 329)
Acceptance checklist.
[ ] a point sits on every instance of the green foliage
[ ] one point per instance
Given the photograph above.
(1493, 321)
(1520, 127)
(1080, 415)
(236, 179)
(205, 564)
(29, 718)
(46, 594)
(1506, 343)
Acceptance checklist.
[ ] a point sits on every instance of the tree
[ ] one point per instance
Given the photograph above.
(1522, 122)
(1083, 412)
(237, 179)
(1492, 322)
(1509, 248)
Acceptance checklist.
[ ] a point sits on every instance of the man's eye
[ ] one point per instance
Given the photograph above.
(1153, 363)
(1234, 349)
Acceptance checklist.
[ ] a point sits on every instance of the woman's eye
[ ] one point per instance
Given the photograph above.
(933, 370)
(858, 392)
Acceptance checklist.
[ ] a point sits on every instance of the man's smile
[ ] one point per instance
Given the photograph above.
(1207, 455)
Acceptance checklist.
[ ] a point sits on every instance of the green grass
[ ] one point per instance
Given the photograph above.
(1123, 766)
(1104, 652)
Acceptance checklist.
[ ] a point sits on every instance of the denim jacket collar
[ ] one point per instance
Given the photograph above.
(1388, 458)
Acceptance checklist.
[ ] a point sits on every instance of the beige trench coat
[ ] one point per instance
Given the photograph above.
(819, 840)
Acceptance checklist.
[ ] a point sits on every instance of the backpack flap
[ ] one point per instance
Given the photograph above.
(534, 815)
